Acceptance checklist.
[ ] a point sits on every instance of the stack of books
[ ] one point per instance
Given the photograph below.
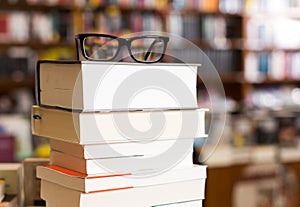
(117, 136)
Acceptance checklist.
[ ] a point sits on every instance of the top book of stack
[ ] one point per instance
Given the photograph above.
(106, 86)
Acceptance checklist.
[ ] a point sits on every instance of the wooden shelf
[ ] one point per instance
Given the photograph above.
(234, 39)
(270, 49)
(221, 181)
(273, 81)
(34, 7)
(229, 44)
(36, 44)
(229, 78)
(8, 83)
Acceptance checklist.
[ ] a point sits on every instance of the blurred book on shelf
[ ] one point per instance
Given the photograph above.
(279, 33)
(275, 96)
(207, 30)
(17, 126)
(281, 6)
(19, 26)
(9, 200)
(7, 148)
(225, 61)
(12, 174)
(17, 63)
(231, 6)
(2, 189)
(197, 5)
(114, 20)
(274, 66)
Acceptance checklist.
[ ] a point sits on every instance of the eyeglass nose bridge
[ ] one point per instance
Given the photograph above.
(123, 42)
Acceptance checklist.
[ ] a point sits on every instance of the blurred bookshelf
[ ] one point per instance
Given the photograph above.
(253, 44)
(231, 34)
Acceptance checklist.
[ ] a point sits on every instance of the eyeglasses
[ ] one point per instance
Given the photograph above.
(103, 47)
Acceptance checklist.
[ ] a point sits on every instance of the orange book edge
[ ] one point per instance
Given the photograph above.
(82, 175)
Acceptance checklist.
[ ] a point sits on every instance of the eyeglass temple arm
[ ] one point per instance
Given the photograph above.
(150, 49)
(77, 49)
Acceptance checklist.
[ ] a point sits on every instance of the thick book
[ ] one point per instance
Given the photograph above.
(98, 86)
(134, 197)
(126, 126)
(94, 151)
(85, 183)
(130, 164)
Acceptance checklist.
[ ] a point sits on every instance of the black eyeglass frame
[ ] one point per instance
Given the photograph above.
(122, 42)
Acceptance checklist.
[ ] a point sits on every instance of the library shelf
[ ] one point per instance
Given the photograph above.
(6, 6)
(9, 84)
(222, 30)
(37, 44)
(227, 175)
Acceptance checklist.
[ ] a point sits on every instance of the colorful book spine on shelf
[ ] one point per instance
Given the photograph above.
(19, 26)
(7, 148)
(198, 5)
(276, 65)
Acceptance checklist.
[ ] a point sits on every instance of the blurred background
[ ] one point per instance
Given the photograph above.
(253, 44)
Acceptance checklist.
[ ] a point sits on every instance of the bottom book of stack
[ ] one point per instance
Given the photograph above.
(183, 187)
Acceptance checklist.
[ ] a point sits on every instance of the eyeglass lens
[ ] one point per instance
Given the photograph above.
(144, 49)
(147, 49)
(100, 48)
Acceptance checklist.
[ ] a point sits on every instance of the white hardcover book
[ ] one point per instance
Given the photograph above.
(194, 203)
(98, 86)
(140, 148)
(127, 126)
(60, 196)
(130, 164)
(84, 183)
